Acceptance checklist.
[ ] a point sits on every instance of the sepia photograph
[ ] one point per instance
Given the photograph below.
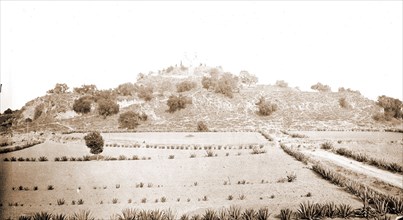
(201, 110)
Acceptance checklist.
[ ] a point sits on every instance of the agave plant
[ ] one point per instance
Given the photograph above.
(59, 217)
(308, 211)
(345, 211)
(234, 213)
(128, 214)
(263, 214)
(42, 216)
(249, 214)
(82, 215)
(210, 214)
(286, 214)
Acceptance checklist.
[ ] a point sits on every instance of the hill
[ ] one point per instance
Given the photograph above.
(296, 110)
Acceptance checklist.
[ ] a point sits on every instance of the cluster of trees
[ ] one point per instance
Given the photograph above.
(321, 87)
(131, 119)
(265, 108)
(178, 102)
(392, 108)
(225, 83)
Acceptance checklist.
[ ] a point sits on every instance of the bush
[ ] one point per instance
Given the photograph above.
(265, 108)
(201, 126)
(107, 107)
(83, 104)
(177, 102)
(207, 82)
(321, 88)
(326, 146)
(131, 119)
(185, 86)
(38, 111)
(226, 85)
(95, 142)
(145, 92)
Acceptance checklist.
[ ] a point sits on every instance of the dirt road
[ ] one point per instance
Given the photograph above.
(386, 176)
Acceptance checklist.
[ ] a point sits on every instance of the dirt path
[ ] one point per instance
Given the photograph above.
(388, 177)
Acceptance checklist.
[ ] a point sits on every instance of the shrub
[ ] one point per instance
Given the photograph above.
(209, 153)
(177, 102)
(185, 86)
(291, 177)
(321, 88)
(131, 119)
(83, 104)
(201, 126)
(226, 85)
(38, 111)
(326, 146)
(207, 82)
(265, 108)
(171, 157)
(80, 202)
(145, 92)
(286, 214)
(114, 200)
(51, 187)
(95, 142)
(107, 107)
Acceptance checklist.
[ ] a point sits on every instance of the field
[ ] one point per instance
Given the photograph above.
(183, 183)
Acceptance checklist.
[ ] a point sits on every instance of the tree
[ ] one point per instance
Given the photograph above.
(265, 108)
(59, 89)
(83, 104)
(131, 119)
(201, 126)
(247, 78)
(177, 102)
(107, 107)
(95, 142)
(392, 107)
(227, 84)
(321, 88)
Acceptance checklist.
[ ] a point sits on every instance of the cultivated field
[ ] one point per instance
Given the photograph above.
(185, 180)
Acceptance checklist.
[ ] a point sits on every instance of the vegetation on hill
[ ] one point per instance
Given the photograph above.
(131, 119)
(321, 87)
(177, 102)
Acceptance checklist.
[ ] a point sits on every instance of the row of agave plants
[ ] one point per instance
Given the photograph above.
(374, 202)
(306, 210)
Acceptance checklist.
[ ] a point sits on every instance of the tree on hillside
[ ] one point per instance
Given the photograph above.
(248, 78)
(321, 88)
(38, 111)
(59, 89)
(392, 107)
(83, 104)
(177, 102)
(126, 89)
(265, 108)
(145, 92)
(95, 142)
(131, 119)
(107, 107)
(86, 89)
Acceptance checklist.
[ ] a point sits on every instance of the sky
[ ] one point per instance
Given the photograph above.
(351, 44)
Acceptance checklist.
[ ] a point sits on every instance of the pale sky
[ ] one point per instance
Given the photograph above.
(355, 44)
